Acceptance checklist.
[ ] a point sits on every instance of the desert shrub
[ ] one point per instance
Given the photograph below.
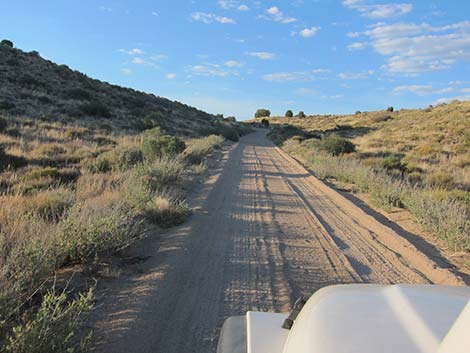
(164, 145)
(440, 180)
(199, 148)
(289, 114)
(128, 157)
(53, 328)
(390, 109)
(228, 131)
(7, 105)
(392, 162)
(102, 164)
(265, 123)
(161, 172)
(336, 145)
(262, 113)
(167, 211)
(13, 132)
(37, 173)
(78, 94)
(96, 225)
(50, 150)
(3, 124)
(231, 119)
(301, 115)
(358, 112)
(96, 109)
(154, 132)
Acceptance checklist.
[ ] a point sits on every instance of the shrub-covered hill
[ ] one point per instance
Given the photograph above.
(33, 87)
(431, 144)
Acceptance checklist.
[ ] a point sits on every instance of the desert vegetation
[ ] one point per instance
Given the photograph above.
(70, 195)
(414, 159)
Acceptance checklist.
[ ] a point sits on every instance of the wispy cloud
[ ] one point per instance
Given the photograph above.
(126, 71)
(355, 75)
(232, 5)
(275, 14)
(263, 55)
(422, 90)
(358, 45)
(208, 18)
(135, 51)
(380, 11)
(171, 76)
(295, 75)
(233, 63)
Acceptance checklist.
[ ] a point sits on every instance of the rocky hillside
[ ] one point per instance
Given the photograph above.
(33, 87)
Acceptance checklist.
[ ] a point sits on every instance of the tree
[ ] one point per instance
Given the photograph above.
(301, 114)
(265, 123)
(7, 43)
(262, 113)
(390, 109)
(289, 114)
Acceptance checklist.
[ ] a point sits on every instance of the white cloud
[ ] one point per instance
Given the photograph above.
(413, 48)
(309, 32)
(357, 46)
(380, 11)
(353, 34)
(210, 18)
(233, 63)
(285, 76)
(356, 75)
(126, 71)
(275, 14)
(305, 91)
(155, 13)
(262, 55)
(232, 4)
(421, 90)
(135, 51)
(170, 76)
(208, 70)
(138, 61)
(450, 99)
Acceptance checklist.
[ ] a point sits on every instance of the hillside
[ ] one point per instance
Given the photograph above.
(431, 144)
(33, 87)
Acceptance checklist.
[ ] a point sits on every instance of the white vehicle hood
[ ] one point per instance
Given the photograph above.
(372, 319)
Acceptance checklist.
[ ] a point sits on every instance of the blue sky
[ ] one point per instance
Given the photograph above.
(232, 57)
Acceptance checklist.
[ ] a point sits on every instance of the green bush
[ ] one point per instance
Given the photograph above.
(301, 115)
(392, 162)
(165, 145)
(390, 109)
(262, 113)
(54, 328)
(289, 114)
(336, 145)
(265, 123)
(199, 148)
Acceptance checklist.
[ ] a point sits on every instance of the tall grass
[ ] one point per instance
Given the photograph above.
(447, 217)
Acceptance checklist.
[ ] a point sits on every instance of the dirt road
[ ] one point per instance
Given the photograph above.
(265, 230)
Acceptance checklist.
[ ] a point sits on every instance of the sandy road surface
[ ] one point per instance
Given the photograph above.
(265, 231)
